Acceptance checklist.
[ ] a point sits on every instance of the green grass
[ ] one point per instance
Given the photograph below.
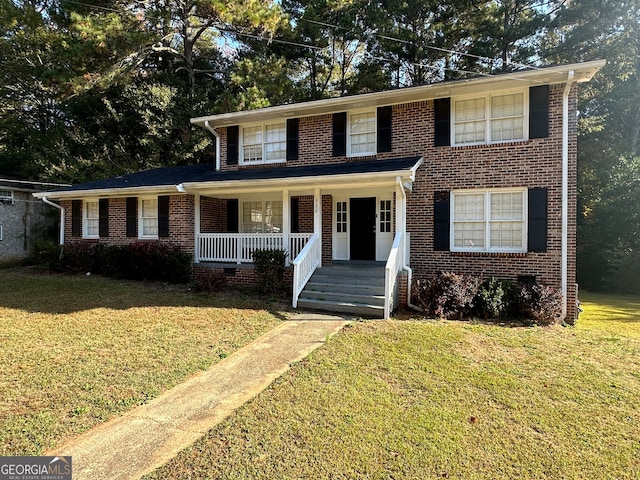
(77, 350)
(432, 399)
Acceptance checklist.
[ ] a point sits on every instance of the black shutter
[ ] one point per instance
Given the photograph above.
(537, 241)
(132, 216)
(539, 111)
(384, 129)
(339, 134)
(163, 216)
(76, 218)
(103, 217)
(441, 224)
(232, 215)
(292, 138)
(232, 145)
(295, 213)
(442, 121)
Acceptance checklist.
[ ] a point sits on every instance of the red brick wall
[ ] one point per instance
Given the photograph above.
(213, 215)
(305, 213)
(181, 223)
(241, 275)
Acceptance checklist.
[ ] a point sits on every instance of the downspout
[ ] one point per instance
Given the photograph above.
(61, 208)
(406, 267)
(217, 135)
(565, 193)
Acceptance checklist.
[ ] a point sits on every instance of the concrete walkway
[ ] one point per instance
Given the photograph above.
(141, 440)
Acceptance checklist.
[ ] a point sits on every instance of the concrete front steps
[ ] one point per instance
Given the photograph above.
(346, 287)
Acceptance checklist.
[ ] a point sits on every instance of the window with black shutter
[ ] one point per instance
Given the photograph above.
(232, 145)
(76, 218)
(163, 216)
(339, 134)
(441, 224)
(384, 129)
(232, 215)
(539, 111)
(442, 122)
(103, 217)
(292, 138)
(537, 216)
(295, 214)
(132, 216)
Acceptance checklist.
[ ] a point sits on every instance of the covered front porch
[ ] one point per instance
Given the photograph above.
(318, 220)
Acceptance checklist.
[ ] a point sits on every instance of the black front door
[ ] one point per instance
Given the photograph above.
(363, 228)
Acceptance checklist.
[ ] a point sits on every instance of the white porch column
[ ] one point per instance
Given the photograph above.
(286, 224)
(196, 224)
(317, 214)
(401, 218)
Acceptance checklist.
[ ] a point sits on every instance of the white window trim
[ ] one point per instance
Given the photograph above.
(263, 209)
(264, 125)
(1, 232)
(487, 220)
(487, 117)
(141, 234)
(375, 131)
(85, 219)
(8, 199)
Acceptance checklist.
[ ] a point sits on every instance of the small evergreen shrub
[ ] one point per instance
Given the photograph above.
(80, 257)
(494, 298)
(47, 254)
(269, 266)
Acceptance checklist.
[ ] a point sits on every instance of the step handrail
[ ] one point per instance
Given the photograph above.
(309, 258)
(391, 269)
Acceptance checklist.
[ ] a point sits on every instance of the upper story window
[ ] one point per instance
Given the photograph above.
(266, 143)
(91, 219)
(488, 220)
(489, 119)
(362, 134)
(148, 218)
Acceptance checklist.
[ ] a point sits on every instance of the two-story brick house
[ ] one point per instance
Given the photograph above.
(475, 176)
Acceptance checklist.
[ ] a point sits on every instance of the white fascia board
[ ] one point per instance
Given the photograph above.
(110, 192)
(541, 76)
(300, 183)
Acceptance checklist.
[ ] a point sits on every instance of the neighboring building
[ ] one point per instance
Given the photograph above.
(22, 218)
(475, 176)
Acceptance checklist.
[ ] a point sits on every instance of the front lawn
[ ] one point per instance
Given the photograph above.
(435, 399)
(77, 350)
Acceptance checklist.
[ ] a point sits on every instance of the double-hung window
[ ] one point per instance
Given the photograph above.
(489, 119)
(488, 220)
(362, 133)
(6, 196)
(148, 218)
(266, 143)
(91, 219)
(262, 216)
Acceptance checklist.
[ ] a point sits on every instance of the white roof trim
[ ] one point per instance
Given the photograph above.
(542, 76)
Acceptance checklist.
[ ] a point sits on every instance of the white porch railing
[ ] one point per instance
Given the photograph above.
(393, 266)
(239, 247)
(304, 264)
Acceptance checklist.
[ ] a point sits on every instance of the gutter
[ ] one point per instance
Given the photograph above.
(565, 192)
(61, 208)
(217, 135)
